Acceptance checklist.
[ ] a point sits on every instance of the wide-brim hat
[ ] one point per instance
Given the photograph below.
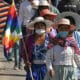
(64, 21)
(48, 12)
(48, 23)
(36, 2)
(44, 3)
(74, 15)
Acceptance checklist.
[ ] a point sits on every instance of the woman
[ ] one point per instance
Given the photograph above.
(36, 46)
(64, 54)
(48, 15)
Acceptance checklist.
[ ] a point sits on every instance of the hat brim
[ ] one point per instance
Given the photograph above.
(75, 16)
(51, 15)
(31, 24)
(63, 24)
(47, 12)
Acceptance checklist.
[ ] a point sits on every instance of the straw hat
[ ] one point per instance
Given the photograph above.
(44, 3)
(47, 12)
(64, 21)
(75, 16)
(36, 2)
(39, 19)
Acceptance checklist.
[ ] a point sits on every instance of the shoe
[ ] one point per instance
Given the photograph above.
(9, 59)
(16, 68)
(13, 59)
(21, 68)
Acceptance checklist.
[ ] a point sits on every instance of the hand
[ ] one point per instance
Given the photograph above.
(28, 64)
(51, 73)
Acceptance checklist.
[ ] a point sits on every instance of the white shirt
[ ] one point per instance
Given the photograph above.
(25, 12)
(60, 56)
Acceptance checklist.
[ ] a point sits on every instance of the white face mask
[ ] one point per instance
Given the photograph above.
(40, 31)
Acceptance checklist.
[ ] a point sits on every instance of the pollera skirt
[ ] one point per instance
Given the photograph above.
(38, 70)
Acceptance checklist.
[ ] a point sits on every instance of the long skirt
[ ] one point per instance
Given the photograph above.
(63, 73)
(38, 71)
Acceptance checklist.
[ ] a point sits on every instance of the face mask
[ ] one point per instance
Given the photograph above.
(40, 31)
(63, 34)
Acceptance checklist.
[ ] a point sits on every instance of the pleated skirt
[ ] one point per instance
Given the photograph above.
(38, 70)
(63, 73)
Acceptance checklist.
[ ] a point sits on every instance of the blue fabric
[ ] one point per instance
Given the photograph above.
(77, 37)
(17, 54)
(8, 55)
(63, 34)
(5, 53)
(39, 52)
(39, 72)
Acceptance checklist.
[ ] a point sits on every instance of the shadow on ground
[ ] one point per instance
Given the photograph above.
(20, 75)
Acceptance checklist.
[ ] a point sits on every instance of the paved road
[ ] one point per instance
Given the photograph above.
(7, 72)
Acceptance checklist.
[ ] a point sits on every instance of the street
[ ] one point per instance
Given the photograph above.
(6, 69)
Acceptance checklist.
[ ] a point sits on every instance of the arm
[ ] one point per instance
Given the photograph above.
(48, 59)
(25, 55)
(21, 13)
(77, 60)
(49, 56)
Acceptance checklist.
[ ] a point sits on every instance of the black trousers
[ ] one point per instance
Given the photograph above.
(24, 33)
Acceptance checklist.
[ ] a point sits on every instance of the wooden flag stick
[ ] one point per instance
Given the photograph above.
(27, 57)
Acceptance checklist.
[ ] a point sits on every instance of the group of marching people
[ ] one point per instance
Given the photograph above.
(49, 48)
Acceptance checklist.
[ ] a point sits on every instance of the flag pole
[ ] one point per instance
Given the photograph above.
(27, 58)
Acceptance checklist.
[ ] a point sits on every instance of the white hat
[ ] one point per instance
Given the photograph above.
(39, 19)
(36, 2)
(74, 15)
(44, 3)
(64, 21)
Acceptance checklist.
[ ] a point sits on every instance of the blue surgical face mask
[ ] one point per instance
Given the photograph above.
(63, 34)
